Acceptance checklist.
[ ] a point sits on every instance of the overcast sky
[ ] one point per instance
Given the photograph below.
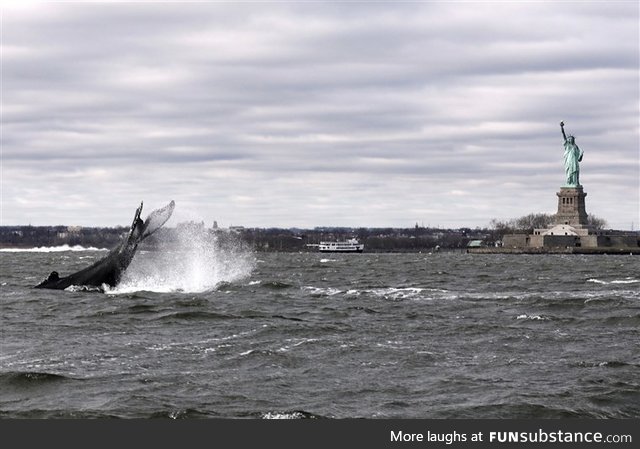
(292, 114)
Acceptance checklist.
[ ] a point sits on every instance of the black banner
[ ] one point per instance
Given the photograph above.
(349, 433)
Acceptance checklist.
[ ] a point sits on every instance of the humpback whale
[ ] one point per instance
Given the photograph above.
(109, 269)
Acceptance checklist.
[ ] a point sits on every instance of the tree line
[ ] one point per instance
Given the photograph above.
(527, 223)
(261, 239)
(389, 239)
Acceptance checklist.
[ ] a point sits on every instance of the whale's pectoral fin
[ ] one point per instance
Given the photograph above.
(157, 219)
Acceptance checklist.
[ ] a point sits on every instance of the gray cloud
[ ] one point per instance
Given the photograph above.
(289, 114)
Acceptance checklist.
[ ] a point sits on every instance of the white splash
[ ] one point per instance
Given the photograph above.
(193, 261)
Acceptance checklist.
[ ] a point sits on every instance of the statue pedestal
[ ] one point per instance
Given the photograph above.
(571, 228)
(571, 207)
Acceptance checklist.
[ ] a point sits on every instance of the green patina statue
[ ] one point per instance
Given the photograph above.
(572, 157)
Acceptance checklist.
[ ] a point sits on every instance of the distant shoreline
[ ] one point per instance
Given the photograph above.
(294, 240)
(568, 250)
(483, 250)
(415, 240)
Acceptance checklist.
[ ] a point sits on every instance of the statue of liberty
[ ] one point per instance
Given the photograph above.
(572, 157)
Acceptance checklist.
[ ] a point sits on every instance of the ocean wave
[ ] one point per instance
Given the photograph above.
(323, 291)
(520, 411)
(606, 364)
(31, 378)
(290, 318)
(609, 297)
(262, 352)
(628, 280)
(276, 285)
(194, 315)
(51, 249)
(389, 293)
(293, 414)
(129, 289)
(188, 413)
(397, 293)
(142, 309)
(86, 288)
(531, 317)
(292, 343)
(628, 320)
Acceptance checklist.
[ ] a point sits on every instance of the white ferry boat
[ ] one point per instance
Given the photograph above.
(348, 246)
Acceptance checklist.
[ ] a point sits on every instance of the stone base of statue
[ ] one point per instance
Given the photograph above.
(571, 232)
(571, 227)
(571, 207)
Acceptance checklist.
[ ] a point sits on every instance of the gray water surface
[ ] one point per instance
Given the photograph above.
(445, 335)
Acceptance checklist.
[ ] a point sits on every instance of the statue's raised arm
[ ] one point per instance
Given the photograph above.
(572, 157)
(562, 128)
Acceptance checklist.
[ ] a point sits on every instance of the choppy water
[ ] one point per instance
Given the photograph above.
(246, 335)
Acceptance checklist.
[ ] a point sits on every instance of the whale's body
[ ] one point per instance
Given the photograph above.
(109, 269)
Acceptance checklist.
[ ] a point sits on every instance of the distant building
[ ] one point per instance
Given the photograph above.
(190, 226)
(571, 229)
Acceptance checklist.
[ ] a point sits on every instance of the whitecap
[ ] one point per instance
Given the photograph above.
(286, 348)
(597, 281)
(283, 415)
(530, 317)
(627, 280)
(51, 249)
(328, 291)
(160, 347)
(397, 293)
